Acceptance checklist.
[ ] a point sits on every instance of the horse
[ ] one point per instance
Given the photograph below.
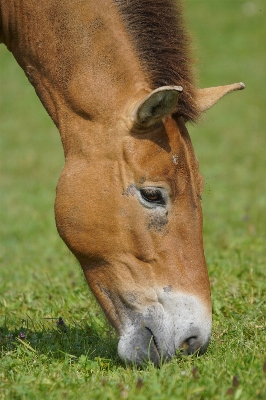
(116, 77)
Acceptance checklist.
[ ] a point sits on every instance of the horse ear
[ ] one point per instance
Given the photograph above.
(206, 98)
(157, 105)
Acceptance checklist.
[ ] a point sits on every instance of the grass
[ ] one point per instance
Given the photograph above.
(41, 281)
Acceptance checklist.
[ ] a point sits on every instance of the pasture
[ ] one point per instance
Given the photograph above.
(41, 281)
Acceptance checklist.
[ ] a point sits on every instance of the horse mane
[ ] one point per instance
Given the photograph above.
(163, 47)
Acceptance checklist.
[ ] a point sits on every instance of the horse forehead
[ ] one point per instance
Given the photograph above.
(161, 152)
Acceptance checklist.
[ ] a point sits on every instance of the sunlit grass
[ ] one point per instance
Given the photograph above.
(41, 281)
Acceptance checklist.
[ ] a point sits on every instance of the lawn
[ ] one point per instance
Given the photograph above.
(41, 281)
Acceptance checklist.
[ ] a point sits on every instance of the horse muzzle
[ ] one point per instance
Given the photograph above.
(177, 324)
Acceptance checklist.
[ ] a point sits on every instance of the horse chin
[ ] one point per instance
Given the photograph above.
(165, 330)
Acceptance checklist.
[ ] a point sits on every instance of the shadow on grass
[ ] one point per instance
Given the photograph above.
(92, 345)
(59, 341)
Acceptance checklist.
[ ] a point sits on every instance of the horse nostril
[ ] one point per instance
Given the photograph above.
(191, 345)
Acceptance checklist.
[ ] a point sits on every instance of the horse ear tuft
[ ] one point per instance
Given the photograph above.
(157, 105)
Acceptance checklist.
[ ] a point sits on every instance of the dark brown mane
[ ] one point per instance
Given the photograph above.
(159, 37)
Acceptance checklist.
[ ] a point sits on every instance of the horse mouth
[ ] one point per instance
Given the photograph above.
(154, 343)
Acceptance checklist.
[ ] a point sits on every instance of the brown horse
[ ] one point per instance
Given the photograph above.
(115, 76)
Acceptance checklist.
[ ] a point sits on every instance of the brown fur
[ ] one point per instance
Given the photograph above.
(158, 34)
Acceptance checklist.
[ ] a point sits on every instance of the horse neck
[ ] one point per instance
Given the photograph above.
(76, 54)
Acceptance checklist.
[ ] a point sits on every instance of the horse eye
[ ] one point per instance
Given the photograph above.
(152, 196)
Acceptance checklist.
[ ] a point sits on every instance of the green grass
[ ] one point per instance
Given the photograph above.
(41, 281)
